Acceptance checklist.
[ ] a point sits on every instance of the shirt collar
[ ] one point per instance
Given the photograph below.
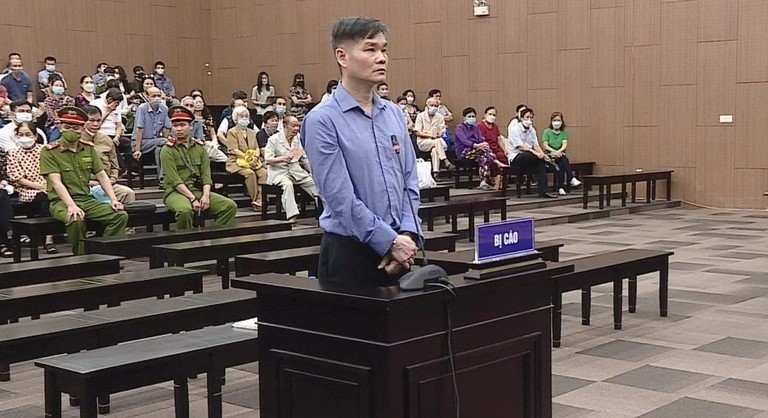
(347, 102)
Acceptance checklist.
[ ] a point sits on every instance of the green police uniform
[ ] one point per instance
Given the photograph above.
(187, 163)
(76, 168)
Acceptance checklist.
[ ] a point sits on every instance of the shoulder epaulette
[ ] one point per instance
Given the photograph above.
(171, 141)
(198, 141)
(89, 143)
(52, 145)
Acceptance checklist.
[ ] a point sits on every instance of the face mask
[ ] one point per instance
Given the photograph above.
(470, 121)
(50, 68)
(409, 99)
(57, 90)
(70, 137)
(160, 71)
(89, 88)
(18, 71)
(300, 83)
(243, 122)
(527, 123)
(556, 124)
(403, 107)
(155, 103)
(25, 141)
(270, 131)
(432, 110)
(490, 118)
(280, 110)
(24, 117)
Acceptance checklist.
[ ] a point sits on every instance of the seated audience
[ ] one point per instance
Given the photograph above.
(203, 114)
(429, 129)
(383, 90)
(471, 145)
(24, 174)
(139, 76)
(441, 108)
(281, 108)
(412, 110)
(515, 120)
(151, 128)
(53, 104)
(187, 179)
(112, 124)
(227, 122)
(244, 155)
(107, 151)
(100, 77)
(269, 128)
(21, 111)
(86, 96)
(332, 85)
(524, 150)
(300, 97)
(47, 71)
(68, 165)
(6, 210)
(287, 165)
(490, 131)
(143, 97)
(402, 103)
(261, 92)
(555, 142)
(163, 82)
(17, 82)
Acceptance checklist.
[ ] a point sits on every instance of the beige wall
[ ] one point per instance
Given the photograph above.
(642, 83)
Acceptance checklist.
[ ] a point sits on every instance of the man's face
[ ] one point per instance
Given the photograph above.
(384, 90)
(66, 127)
(23, 109)
(94, 123)
(16, 65)
(238, 102)
(432, 102)
(365, 59)
(154, 93)
(439, 97)
(291, 128)
(281, 102)
(181, 129)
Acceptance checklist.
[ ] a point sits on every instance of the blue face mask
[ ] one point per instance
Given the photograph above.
(243, 122)
(470, 121)
(57, 90)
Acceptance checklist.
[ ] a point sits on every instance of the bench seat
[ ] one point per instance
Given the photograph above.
(471, 207)
(57, 269)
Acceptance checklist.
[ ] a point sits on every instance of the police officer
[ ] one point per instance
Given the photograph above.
(68, 165)
(187, 179)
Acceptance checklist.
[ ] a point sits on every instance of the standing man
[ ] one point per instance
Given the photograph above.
(188, 176)
(364, 166)
(67, 166)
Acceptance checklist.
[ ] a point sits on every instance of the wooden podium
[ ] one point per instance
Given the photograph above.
(380, 352)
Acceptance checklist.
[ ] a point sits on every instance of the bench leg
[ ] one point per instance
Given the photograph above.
(471, 226)
(623, 194)
(486, 216)
(52, 396)
(16, 243)
(557, 312)
(585, 197)
(648, 191)
(608, 195)
(504, 183)
(102, 403)
(222, 268)
(504, 212)
(181, 397)
(430, 222)
(155, 262)
(5, 372)
(586, 305)
(634, 192)
(653, 190)
(454, 223)
(669, 188)
(617, 303)
(664, 288)
(632, 294)
(88, 404)
(214, 393)
(600, 192)
(34, 246)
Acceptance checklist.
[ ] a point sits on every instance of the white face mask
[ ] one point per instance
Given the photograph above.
(50, 68)
(24, 117)
(556, 124)
(490, 118)
(160, 71)
(25, 141)
(527, 123)
(88, 88)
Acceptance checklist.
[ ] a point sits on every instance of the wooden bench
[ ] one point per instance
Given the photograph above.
(89, 293)
(226, 180)
(133, 365)
(462, 261)
(463, 166)
(471, 207)
(430, 193)
(140, 245)
(37, 228)
(57, 269)
(604, 182)
(222, 249)
(306, 259)
(302, 198)
(110, 326)
(611, 267)
(580, 169)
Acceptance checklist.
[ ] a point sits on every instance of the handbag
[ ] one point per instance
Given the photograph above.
(249, 157)
(424, 170)
(140, 206)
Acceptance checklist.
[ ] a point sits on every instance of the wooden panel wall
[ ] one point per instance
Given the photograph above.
(642, 82)
(82, 33)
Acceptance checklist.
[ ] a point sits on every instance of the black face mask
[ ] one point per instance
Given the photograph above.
(300, 83)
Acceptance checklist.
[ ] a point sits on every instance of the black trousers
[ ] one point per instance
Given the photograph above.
(529, 163)
(347, 263)
(6, 214)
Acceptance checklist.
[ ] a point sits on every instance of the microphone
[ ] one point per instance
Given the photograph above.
(427, 273)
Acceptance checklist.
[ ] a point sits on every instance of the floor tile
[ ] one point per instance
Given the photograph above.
(565, 384)
(615, 399)
(737, 347)
(626, 350)
(565, 411)
(659, 379)
(696, 408)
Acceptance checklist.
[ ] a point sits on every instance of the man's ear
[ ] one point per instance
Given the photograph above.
(341, 57)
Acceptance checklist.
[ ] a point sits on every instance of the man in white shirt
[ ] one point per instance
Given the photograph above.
(525, 153)
(429, 129)
(21, 111)
(112, 125)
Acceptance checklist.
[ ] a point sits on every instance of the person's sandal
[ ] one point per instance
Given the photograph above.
(6, 252)
(50, 248)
